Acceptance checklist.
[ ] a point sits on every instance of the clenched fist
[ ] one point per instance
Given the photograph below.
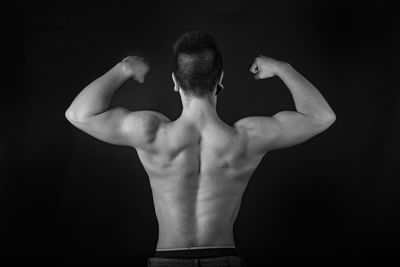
(135, 67)
(265, 67)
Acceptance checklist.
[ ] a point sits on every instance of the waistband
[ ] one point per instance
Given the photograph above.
(197, 252)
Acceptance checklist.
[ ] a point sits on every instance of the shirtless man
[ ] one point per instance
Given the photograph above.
(198, 165)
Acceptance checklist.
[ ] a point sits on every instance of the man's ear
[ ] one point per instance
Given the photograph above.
(220, 86)
(220, 79)
(176, 86)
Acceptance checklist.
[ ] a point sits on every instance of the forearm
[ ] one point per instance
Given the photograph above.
(96, 97)
(307, 98)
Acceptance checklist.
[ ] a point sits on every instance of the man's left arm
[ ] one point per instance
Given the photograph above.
(90, 110)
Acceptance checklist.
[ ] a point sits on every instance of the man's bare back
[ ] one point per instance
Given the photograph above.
(198, 175)
(198, 165)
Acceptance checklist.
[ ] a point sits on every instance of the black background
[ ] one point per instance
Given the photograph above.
(69, 198)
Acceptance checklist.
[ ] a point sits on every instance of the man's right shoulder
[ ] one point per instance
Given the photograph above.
(255, 124)
(259, 131)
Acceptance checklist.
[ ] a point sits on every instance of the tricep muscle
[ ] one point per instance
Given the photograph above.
(120, 126)
(284, 129)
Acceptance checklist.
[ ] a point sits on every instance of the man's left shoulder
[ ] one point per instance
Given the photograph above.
(142, 127)
(157, 117)
(148, 120)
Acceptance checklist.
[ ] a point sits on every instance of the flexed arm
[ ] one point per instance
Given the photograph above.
(308, 100)
(287, 128)
(96, 97)
(90, 110)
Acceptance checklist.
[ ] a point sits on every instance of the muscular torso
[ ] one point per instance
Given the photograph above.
(198, 175)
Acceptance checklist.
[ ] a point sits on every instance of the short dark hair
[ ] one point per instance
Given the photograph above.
(197, 63)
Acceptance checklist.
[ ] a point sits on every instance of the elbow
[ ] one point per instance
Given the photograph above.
(69, 114)
(327, 118)
(330, 118)
(76, 116)
(324, 122)
(327, 121)
(72, 115)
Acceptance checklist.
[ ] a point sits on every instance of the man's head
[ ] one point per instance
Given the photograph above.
(197, 64)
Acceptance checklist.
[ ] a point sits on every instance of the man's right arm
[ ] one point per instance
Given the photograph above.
(287, 128)
(308, 100)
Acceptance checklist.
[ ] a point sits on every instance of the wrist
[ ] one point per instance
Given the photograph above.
(281, 68)
(124, 70)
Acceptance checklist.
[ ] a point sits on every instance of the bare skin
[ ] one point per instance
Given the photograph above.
(198, 165)
(198, 172)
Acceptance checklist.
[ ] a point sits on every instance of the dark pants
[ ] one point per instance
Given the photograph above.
(216, 257)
